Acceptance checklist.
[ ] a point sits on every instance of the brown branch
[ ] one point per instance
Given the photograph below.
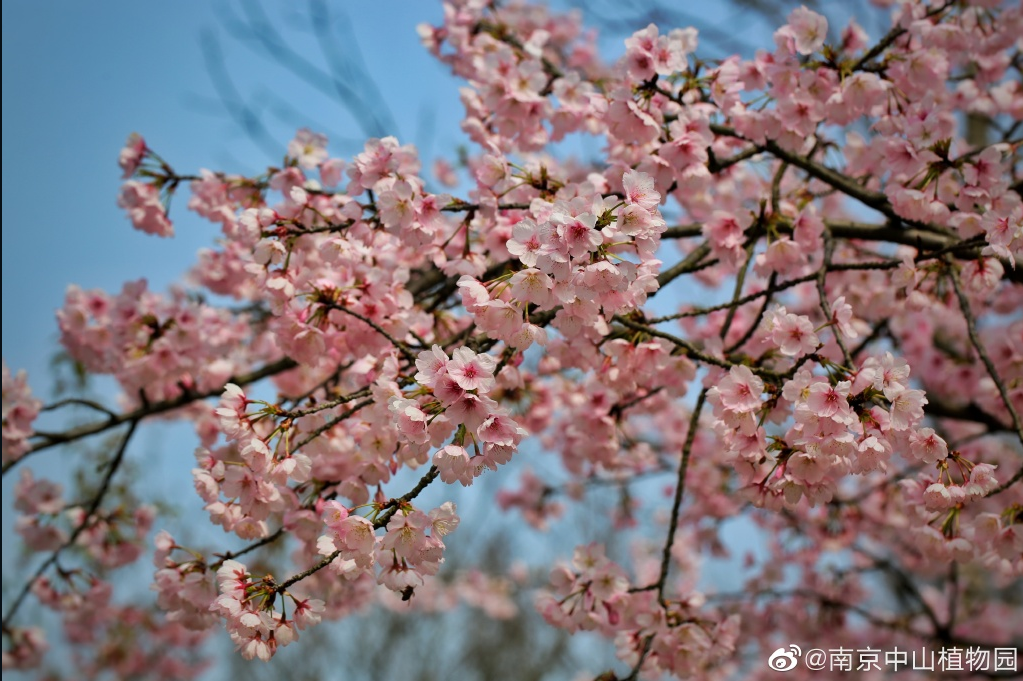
(898, 624)
(864, 231)
(930, 244)
(147, 410)
(380, 522)
(330, 424)
(822, 275)
(690, 263)
(618, 409)
(90, 512)
(345, 399)
(909, 585)
(767, 294)
(322, 385)
(740, 280)
(879, 329)
(921, 239)
(401, 347)
(682, 231)
(458, 206)
(634, 673)
(395, 504)
(971, 412)
(889, 38)
(231, 555)
(676, 505)
(1007, 484)
(690, 349)
(971, 328)
(96, 406)
(835, 179)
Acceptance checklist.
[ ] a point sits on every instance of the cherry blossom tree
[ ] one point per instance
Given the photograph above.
(856, 394)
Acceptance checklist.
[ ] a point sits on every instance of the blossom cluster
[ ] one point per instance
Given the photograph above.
(854, 392)
(20, 409)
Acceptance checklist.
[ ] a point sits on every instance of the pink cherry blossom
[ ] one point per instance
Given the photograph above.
(132, 154)
(472, 371)
(145, 210)
(779, 291)
(740, 390)
(808, 28)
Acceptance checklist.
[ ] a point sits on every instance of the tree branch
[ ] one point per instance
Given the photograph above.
(971, 328)
(147, 410)
(680, 486)
(90, 512)
(380, 522)
(401, 347)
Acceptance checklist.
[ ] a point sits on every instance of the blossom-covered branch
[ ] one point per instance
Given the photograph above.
(848, 385)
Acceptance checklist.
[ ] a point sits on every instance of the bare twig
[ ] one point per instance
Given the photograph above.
(231, 555)
(330, 404)
(401, 347)
(971, 328)
(331, 423)
(87, 518)
(822, 275)
(680, 486)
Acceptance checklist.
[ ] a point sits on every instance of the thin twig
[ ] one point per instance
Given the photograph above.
(401, 347)
(90, 512)
(688, 264)
(822, 275)
(740, 280)
(971, 328)
(687, 448)
(231, 555)
(80, 402)
(381, 521)
(330, 424)
(771, 288)
(1007, 484)
(690, 349)
(322, 406)
(894, 34)
(147, 410)
(634, 673)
